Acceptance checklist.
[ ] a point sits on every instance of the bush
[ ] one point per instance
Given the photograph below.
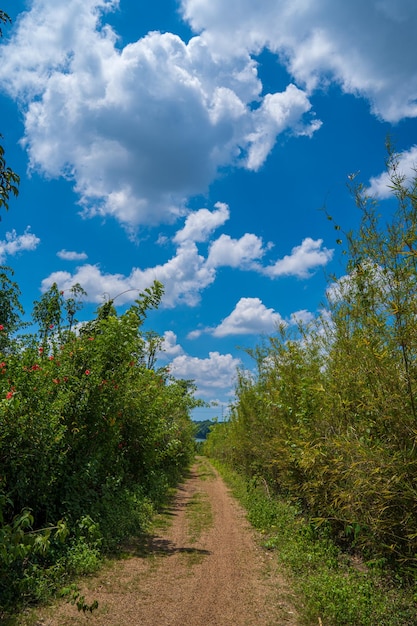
(91, 434)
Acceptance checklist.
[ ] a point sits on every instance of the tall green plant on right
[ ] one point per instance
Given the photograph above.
(329, 418)
(371, 378)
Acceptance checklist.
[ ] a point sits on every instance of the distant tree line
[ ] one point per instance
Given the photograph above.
(202, 428)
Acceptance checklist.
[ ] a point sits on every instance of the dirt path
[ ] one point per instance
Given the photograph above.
(204, 569)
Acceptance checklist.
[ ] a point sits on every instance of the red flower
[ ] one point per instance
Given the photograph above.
(9, 395)
(36, 367)
(51, 326)
(91, 339)
(40, 350)
(51, 358)
(87, 372)
(1, 327)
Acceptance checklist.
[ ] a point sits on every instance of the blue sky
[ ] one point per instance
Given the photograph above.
(195, 142)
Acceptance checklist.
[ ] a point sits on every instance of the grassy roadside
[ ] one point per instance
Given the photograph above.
(334, 589)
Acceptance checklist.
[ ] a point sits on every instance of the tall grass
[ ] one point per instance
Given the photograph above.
(329, 419)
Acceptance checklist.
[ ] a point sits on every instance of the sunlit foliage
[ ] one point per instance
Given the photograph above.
(329, 419)
(91, 437)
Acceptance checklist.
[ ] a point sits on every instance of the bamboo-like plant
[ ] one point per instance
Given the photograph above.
(330, 416)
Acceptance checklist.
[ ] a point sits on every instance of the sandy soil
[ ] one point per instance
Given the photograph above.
(205, 568)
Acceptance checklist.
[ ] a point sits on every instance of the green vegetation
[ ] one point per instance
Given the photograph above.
(199, 516)
(203, 428)
(328, 423)
(9, 180)
(328, 583)
(91, 438)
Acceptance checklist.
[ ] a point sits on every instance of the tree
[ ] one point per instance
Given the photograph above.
(10, 307)
(9, 180)
(5, 19)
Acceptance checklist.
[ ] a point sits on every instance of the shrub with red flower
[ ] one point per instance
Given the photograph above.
(91, 408)
(10, 394)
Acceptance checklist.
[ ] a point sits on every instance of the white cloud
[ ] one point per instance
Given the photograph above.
(278, 112)
(302, 261)
(250, 317)
(217, 372)
(188, 273)
(170, 347)
(367, 46)
(14, 243)
(97, 284)
(242, 252)
(68, 255)
(195, 334)
(379, 186)
(184, 276)
(200, 224)
(301, 317)
(141, 128)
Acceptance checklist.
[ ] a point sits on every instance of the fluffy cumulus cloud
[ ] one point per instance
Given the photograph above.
(184, 277)
(242, 252)
(217, 372)
(250, 316)
(278, 112)
(137, 129)
(188, 272)
(201, 224)
(14, 243)
(302, 261)
(170, 348)
(321, 41)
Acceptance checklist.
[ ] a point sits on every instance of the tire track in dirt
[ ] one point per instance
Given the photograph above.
(205, 569)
